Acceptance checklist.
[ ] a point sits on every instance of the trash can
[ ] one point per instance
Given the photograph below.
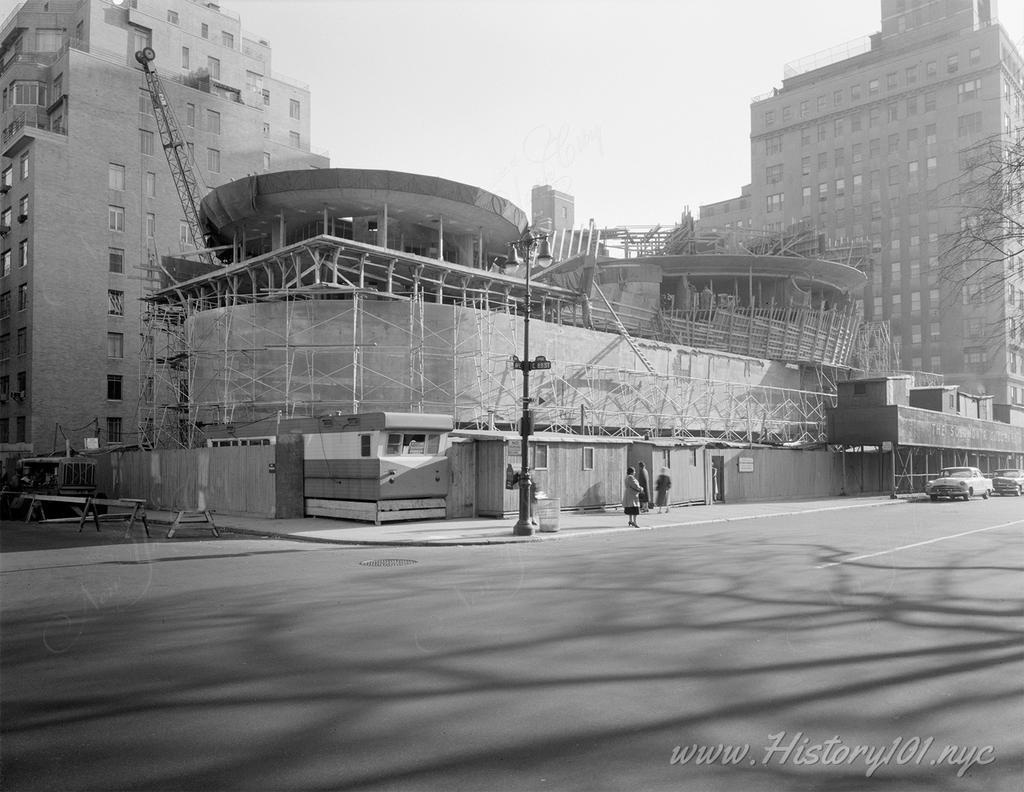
(546, 512)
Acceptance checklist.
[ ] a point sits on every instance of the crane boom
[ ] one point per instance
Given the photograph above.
(177, 154)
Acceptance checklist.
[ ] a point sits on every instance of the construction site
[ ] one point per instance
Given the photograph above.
(347, 291)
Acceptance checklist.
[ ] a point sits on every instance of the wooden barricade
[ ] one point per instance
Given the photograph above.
(134, 508)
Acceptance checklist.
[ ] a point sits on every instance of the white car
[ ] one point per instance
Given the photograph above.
(959, 482)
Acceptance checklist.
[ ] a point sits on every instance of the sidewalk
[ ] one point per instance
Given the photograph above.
(494, 531)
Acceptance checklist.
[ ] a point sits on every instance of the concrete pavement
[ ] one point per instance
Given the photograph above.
(494, 531)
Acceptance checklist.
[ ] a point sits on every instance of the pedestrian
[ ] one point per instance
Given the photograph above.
(631, 497)
(661, 487)
(641, 476)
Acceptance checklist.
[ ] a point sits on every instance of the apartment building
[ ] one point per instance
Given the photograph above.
(87, 201)
(872, 140)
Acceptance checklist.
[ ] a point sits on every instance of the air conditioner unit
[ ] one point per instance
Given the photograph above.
(22, 218)
(4, 189)
(18, 395)
(4, 230)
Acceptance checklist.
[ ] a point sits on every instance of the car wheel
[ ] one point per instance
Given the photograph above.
(984, 495)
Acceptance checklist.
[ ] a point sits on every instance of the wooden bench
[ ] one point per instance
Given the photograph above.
(135, 508)
(194, 516)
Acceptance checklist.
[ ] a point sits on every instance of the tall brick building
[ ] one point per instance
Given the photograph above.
(869, 140)
(88, 204)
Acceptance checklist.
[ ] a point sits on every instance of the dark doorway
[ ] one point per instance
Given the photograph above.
(718, 479)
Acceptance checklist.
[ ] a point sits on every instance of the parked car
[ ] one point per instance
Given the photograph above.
(1008, 481)
(959, 482)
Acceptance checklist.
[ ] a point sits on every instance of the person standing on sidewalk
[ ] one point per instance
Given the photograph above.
(631, 497)
(641, 477)
(661, 487)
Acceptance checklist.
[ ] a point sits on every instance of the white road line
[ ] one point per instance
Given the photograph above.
(917, 544)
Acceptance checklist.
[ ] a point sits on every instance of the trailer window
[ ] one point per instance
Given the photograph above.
(364, 445)
(412, 444)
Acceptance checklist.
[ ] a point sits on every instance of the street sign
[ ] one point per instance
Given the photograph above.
(540, 362)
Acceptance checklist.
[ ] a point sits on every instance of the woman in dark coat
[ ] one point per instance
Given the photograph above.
(661, 487)
(641, 477)
(631, 497)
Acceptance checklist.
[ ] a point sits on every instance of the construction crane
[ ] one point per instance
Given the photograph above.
(177, 154)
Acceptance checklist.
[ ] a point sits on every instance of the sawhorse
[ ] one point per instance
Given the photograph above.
(137, 508)
(197, 516)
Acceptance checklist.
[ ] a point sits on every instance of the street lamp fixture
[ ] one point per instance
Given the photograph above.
(533, 249)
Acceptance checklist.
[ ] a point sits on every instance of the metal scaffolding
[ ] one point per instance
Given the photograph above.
(333, 325)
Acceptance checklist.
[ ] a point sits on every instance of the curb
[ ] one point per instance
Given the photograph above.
(546, 536)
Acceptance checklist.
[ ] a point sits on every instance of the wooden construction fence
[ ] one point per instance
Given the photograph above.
(234, 479)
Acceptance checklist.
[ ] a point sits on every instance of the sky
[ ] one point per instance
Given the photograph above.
(638, 108)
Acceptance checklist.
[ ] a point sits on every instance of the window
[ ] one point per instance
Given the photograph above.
(774, 202)
(952, 64)
(857, 152)
(839, 157)
(893, 112)
(172, 17)
(588, 457)
(213, 160)
(146, 141)
(227, 39)
(266, 97)
(115, 260)
(837, 127)
(822, 132)
(7, 177)
(115, 387)
(115, 218)
(823, 191)
(266, 161)
(856, 122)
(113, 430)
(115, 302)
(213, 122)
(539, 454)
(805, 136)
(23, 253)
(412, 444)
(805, 166)
(23, 208)
(773, 173)
(115, 345)
(929, 101)
(972, 328)
(803, 108)
(364, 445)
(855, 92)
(840, 187)
(873, 86)
(910, 75)
(151, 184)
(773, 144)
(115, 176)
(254, 81)
(22, 342)
(213, 66)
(912, 169)
(966, 91)
(874, 147)
(24, 166)
(837, 97)
(874, 116)
(894, 143)
(190, 114)
(931, 69)
(150, 225)
(929, 134)
(787, 114)
(186, 62)
(204, 30)
(890, 81)
(22, 296)
(975, 56)
(969, 124)
(294, 110)
(5, 346)
(21, 435)
(805, 196)
(912, 106)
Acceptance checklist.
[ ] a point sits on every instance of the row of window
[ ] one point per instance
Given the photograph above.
(5, 301)
(874, 86)
(227, 39)
(7, 255)
(20, 341)
(7, 174)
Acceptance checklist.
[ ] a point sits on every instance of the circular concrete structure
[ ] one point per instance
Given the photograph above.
(403, 211)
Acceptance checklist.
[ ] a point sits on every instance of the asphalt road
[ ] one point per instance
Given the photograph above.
(842, 650)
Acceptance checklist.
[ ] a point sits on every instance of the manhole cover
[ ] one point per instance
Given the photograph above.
(387, 562)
